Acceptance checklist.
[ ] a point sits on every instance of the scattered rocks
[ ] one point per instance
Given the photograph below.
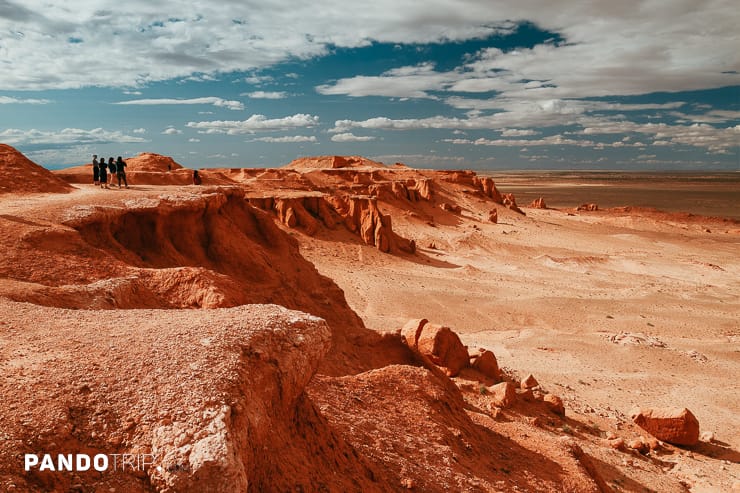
(673, 425)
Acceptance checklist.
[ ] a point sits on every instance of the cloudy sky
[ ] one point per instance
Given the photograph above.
(605, 84)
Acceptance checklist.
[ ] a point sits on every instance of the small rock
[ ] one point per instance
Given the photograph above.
(652, 443)
(503, 394)
(555, 404)
(408, 483)
(638, 445)
(526, 395)
(493, 216)
(616, 443)
(529, 382)
(707, 436)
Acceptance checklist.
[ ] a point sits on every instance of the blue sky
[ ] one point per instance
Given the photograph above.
(638, 84)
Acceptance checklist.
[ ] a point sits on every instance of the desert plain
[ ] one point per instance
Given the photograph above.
(252, 332)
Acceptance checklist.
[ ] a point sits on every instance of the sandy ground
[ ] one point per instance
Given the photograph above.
(611, 311)
(608, 309)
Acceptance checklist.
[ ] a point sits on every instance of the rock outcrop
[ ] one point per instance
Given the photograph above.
(18, 174)
(538, 203)
(210, 397)
(588, 207)
(333, 162)
(673, 425)
(436, 345)
(510, 201)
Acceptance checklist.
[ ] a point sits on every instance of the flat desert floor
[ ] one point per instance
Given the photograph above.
(610, 310)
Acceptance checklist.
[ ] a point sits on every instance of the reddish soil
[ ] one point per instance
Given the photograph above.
(144, 321)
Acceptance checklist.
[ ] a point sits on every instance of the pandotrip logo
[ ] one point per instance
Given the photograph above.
(85, 462)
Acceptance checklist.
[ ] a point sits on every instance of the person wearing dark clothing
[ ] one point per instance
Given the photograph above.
(103, 174)
(96, 170)
(196, 178)
(120, 169)
(112, 169)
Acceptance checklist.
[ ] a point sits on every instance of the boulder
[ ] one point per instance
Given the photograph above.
(493, 216)
(529, 382)
(437, 345)
(673, 425)
(485, 362)
(588, 207)
(503, 394)
(555, 404)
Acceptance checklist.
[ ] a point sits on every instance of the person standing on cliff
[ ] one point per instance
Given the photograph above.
(103, 174)
(96, 170)
(112, 169)
(120, 169)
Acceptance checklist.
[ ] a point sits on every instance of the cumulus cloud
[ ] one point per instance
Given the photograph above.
(255, 123)
(515, 132)
(171, 131)
(67, 136)
(634, 47)
(350, 137)
(266, 94)
(223, 103)
(139, 131)
(8, 100)
(288, 139)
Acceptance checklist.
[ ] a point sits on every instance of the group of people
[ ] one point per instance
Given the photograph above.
(101, 170)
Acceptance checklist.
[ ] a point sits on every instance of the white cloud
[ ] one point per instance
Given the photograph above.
(350, 137)
(286, 139)
(193, 139)
(139, 131)
(255, 123)
(631, 47)
(171, 131)
(403, 82)
(67, 136)
(223, 103)
(266, 94)
(553, 140)
(514, 132)
(8, 100)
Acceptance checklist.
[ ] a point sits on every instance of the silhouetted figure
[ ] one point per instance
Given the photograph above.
(112, 169)
(196, 178)
(103, 174)
(121, 170)
(96, 170)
